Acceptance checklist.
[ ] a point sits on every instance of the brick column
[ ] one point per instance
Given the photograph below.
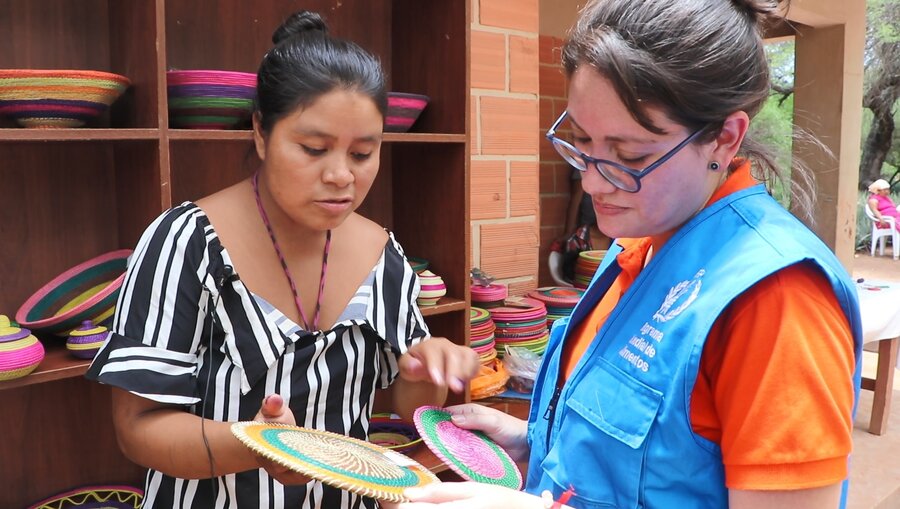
(504, 149)
(555, 181)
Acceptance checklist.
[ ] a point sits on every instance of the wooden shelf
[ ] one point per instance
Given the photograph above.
(444, 305)
(99, 187)
(209, 135)
(58, 364)
(85, 134)
(424, 138)
(246, 135)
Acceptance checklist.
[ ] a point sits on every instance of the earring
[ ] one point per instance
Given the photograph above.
(714, 166)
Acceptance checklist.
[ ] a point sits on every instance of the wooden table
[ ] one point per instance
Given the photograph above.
(879, 304)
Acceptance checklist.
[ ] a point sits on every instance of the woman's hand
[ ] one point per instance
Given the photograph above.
(465, 495)
(274, 409)
(510, 433)
(439, 361)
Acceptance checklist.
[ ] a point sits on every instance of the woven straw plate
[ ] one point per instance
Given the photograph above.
(337, 460)
(471, 454)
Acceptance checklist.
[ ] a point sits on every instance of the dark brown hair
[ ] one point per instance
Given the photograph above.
(696, 60)
(306, 63)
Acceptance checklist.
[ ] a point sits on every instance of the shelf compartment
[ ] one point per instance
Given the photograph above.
(100, 35)
(72, 202)
(444, 305)
(58, 364)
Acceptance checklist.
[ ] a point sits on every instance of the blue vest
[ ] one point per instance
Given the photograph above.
(619, 429)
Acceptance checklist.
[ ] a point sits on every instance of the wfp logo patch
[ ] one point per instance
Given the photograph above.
(679, 298)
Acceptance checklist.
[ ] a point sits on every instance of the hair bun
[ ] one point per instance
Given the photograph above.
(299, 23)
(759, 10)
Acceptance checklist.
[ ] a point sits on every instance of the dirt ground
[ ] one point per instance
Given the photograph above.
(876, 267)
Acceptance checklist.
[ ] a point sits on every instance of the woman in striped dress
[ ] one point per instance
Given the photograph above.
(210, 327)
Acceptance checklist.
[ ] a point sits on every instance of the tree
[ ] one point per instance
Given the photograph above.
(882, 90)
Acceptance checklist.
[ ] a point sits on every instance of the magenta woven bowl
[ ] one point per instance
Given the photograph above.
(20, 352)
(87, 291)
(57, 98)
(403, 111)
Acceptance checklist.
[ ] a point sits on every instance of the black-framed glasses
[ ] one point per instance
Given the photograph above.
(624, 178)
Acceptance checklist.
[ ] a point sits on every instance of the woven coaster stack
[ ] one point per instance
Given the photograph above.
(585, 267)
(559, 300)
(489, 296)
(522, 321)
(481, 338)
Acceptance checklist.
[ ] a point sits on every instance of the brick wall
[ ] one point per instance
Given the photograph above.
(555, 173)
(505, 149)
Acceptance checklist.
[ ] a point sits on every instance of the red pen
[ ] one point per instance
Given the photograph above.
(564, 498)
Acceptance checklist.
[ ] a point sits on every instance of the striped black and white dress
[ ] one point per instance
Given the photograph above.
(186, 334)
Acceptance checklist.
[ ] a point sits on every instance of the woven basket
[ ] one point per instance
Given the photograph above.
(94, 497)
(86, 340)
(403, 110)
(210, 99)
(20, 352)
(432, 288)
(57, 98)
(87, 291)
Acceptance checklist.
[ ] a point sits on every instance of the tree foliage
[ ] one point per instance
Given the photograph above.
(773, 125)
(880, 157)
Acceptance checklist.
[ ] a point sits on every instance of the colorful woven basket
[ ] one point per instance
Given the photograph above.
(86, 340)
(20, 352)
(417, 264)
(337, 460)
(57, 98)
(94, 497)
(403, 110)
(392, 432)
(209, 99)
(87, 291)
(433, 288)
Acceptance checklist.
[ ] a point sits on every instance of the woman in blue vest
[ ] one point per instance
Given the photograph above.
(714, 360)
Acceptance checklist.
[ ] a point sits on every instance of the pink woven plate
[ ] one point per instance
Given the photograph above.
(471, 454)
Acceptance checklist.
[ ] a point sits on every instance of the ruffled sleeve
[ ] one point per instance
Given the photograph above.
(154, 345)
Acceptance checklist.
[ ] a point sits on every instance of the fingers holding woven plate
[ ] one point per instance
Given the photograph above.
(471, 454)
(337, 460)
(508, 431)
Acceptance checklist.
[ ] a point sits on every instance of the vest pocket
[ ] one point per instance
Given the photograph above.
(601, 444)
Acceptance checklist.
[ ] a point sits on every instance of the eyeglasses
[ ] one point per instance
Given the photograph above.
(623, 177)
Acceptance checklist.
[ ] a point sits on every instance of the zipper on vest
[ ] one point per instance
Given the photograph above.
(550, 413)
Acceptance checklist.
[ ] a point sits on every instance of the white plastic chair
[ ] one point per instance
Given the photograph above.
(880, 235)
